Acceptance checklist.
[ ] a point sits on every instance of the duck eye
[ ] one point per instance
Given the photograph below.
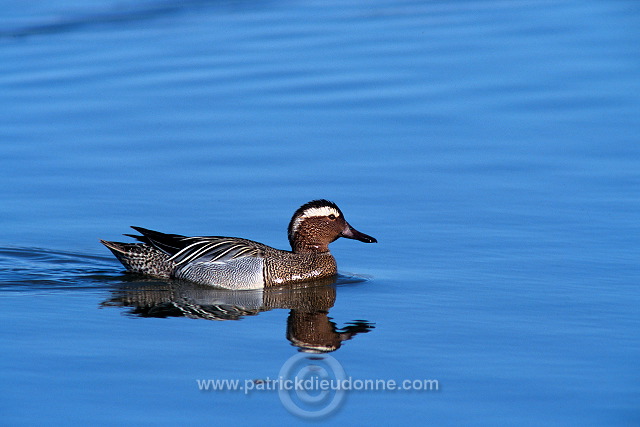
(332, 217)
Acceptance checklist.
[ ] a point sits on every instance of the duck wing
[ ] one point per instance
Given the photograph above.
(184, 250)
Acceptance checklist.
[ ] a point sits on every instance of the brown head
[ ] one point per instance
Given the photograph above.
(317, 223)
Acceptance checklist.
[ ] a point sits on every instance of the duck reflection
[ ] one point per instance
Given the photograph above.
(309, 326)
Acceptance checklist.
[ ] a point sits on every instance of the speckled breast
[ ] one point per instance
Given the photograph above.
(294, 268)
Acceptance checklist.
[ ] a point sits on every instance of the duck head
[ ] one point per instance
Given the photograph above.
(317, 223)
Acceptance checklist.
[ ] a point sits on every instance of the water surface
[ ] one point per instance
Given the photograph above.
(490, 147)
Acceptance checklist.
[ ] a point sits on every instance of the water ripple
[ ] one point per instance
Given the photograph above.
(61, 21)
(28, 269)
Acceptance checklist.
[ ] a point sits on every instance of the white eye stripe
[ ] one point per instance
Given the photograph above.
(321, 211)
(313, 212)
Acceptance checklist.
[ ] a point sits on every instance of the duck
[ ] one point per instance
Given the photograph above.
(237, 263)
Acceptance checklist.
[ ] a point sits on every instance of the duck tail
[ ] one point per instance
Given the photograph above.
(141, 258)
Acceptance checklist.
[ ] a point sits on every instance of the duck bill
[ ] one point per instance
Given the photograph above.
(351, 233)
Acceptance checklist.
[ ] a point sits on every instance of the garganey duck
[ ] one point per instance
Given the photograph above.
(235, 263)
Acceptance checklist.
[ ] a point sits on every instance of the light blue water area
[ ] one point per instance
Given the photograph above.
(490, 146)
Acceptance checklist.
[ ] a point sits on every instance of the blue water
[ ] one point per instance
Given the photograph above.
(490, 146)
